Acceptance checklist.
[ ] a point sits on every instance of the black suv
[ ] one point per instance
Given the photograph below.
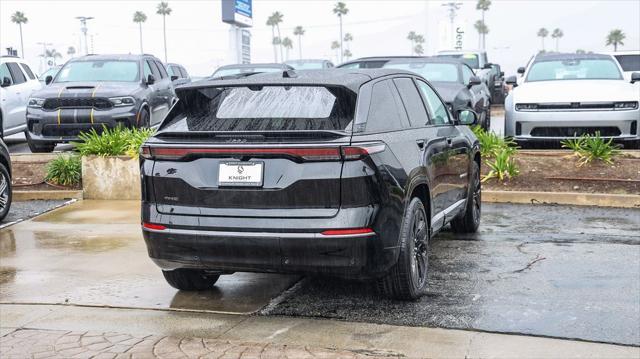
(343, 172)
(93, 91)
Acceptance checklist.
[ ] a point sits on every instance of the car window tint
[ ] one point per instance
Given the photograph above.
(385, 111)
(412, 102)
(374, 64)
(28, 71)
(163, 71)
(4, 72)
(355, 65)
(147, 70)
(184, 72)
(174, 71)
(154, 69)
(437, 109)
(466, 75)
(16, 73)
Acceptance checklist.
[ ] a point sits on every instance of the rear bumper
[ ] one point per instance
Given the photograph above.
(64, 125)
(278, 247)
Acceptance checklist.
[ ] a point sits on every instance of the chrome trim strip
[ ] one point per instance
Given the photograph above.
(231, 234)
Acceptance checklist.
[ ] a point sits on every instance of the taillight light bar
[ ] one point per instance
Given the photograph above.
(302, 153)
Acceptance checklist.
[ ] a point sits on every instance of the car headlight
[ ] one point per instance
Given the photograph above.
(526, 107)
(36, 102)
(122, 101)
(627, 105)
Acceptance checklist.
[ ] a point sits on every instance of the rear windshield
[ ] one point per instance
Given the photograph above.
(469, 59)
(262, 108)
(629, 62)
(431, 71)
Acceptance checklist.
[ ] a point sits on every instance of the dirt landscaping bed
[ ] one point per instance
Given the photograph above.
(557, 171)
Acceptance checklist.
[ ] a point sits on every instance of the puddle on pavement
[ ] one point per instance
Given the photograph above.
(92, 253)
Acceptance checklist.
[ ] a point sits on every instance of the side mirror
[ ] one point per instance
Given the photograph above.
(467, 117)
(501, 73)
(174, 77)
(6, 82)
(151, 79)
(48, 79)
(635, 77)
(521, 70)
(487, 65)
(474, 81)
(512, 80)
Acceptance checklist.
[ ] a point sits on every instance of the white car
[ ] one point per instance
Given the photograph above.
(629, 61)
(569, 95)
(18, 82)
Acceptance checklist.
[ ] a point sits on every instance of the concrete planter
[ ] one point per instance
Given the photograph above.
(110, 178)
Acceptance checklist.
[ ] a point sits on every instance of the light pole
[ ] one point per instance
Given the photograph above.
(83, 28)
(452, 7)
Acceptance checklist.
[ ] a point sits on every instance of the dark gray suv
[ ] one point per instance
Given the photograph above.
(97, 91)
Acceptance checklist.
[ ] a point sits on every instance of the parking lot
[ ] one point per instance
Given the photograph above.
(558, 271)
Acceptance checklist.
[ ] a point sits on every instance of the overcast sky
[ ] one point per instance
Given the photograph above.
(198, 39)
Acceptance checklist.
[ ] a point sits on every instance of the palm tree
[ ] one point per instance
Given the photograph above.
(335, 45)
(52, 54)
(482, 29)
(347, 39)
(419, 40)
(71, 51)
(615, 38)
(341, 10)
(274, 21)
(299, 31)
(139, 17)
(19, 18)
(542, 33)
(557, 34)
(164, 10)
(483, 5)
(411, 37)
(347, 53)
(288, 45)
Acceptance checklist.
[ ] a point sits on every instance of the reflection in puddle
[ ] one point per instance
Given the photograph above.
(7, 243)
(7, 275)
(87, 243)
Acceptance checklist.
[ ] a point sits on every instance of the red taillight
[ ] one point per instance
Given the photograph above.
(361, 151)
(154, 226)
(145, 152)
(350, 231)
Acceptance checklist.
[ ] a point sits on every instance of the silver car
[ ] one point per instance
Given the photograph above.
(569, 95)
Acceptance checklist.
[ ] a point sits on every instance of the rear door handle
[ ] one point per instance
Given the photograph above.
(420, 144)
(449, 141)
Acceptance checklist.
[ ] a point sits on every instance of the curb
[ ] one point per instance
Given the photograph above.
(566, 198)
(19, 196)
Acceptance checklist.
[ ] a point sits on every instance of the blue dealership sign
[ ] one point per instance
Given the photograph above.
(243, 7)
(237, 12)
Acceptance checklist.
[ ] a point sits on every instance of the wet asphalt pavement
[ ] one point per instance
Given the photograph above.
(27, 209)
(570, 272)
(559, 271)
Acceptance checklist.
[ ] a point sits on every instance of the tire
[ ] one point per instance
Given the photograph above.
(5, 191)
(407, 279)
(469, 220)
(190, 279)
(145, 120)
(39, 147)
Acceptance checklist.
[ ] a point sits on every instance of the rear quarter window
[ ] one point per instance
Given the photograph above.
(385, 111)
(262, 108)
(28, 71)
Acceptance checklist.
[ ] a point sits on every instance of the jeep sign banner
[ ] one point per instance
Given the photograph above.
(237, 12)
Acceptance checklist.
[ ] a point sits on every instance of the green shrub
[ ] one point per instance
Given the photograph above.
(589, 148)
(118, 141)
(491, 143)
(65, 170)
(503, 167)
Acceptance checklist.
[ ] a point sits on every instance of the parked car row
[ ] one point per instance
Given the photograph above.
(86, 93)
